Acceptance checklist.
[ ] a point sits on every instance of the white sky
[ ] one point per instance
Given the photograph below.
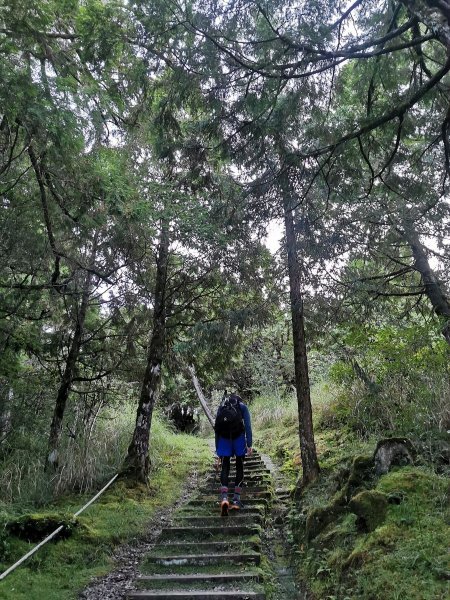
(274, 234)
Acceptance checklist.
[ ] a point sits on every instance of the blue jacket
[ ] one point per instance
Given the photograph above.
(247, 425)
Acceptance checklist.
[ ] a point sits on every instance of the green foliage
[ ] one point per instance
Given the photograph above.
(340, 560)
(119, 117)
(396, 384)
(63, 568)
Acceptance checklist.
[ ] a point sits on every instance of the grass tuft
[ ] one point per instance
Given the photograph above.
(59, 570)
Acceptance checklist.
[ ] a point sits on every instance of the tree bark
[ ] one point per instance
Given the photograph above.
(6, 397)
(435, 15)
(67, 378)
(433, 288)
(137, 463)
(371, 386)
(308, 452)
(200, 395)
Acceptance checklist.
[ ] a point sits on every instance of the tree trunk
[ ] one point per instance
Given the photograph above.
(200, 395)
(433, 288)
(310, 463)
(371, 386)
(137, 463)
(435, 15)
(67, 378)
(6, 397)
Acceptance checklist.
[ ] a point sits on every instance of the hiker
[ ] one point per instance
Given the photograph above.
(233, 438)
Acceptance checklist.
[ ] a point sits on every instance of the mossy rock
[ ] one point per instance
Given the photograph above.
(360, 477)
(35, 527)
(318, 519)
(393, 452)
(370, 507)
(340, 477)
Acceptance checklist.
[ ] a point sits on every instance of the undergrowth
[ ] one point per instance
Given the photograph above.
(60, 569)
(405, 556)
(87, 458)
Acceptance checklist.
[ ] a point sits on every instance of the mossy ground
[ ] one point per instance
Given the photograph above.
(406, 556)
(60, 569)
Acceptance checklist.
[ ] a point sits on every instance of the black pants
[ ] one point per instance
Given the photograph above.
(225, 474)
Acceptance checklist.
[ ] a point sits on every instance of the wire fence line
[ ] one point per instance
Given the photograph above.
(52, 535)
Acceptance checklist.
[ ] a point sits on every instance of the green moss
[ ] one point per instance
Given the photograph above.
(360, 477)
(370, 507)
(403, 557)
(408, 479)
(319, 518)
(34, 527)
(355, 560)
(58, 571)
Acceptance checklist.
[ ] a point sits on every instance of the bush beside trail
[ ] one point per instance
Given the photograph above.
(356, 534)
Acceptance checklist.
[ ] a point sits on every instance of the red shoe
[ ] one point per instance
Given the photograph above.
(224, 508)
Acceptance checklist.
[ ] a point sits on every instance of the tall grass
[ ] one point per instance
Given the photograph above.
(275, 407)
(85, 461)
(272, 407)
(396, 408)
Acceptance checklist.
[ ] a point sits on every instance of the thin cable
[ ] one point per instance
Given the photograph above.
(52, 535)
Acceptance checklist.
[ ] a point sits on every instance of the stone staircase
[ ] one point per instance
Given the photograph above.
(206, 556)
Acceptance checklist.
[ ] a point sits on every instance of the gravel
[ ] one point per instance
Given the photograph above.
(116, 584)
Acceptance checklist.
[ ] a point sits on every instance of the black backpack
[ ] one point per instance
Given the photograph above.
(229, 421)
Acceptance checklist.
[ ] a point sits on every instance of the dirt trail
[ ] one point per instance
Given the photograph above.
(117, 583)
(194, 553)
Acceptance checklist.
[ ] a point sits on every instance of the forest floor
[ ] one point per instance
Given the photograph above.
(404, 554)
(128, 557)
(121, 531)
(403, 557)
(105, 546)
(256, 565)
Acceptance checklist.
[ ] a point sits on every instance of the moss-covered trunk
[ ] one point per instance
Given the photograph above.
(136, 463)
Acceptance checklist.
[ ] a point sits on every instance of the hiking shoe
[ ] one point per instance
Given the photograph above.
(224, 506)
(236, 504)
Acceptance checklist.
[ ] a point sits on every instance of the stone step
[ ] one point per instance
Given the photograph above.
(195, 595)
(209, 510)
(247, 496)
(253, 456)
(227, 528)
(249, 465)
(246, 490)
(214, 512)
(187, 560)
(202, 577)
(248, 482)
(239, 518)
(214, 501)
(185, 547)
(248, 474)
(248, 485)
